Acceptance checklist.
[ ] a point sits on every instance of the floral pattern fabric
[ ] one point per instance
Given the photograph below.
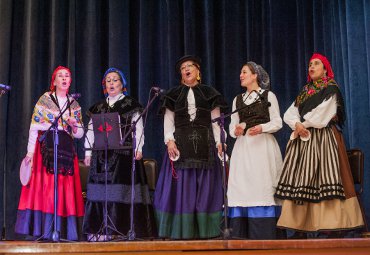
(312, 88)
(46, 110)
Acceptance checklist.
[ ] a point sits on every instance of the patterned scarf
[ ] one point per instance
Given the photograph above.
(314, 93)
(312, 88)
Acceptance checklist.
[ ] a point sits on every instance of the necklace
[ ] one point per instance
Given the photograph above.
(249, 96)
(112, 106)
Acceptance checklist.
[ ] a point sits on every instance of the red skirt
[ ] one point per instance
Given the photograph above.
(36, 203)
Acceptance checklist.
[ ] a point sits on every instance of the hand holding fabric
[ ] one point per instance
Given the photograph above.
(300, 130)
(219, 148)
(172, 149)
(87, 160)
(72, 122)
(255, 130)
(139, 155)
(239, 129)
(29, 158)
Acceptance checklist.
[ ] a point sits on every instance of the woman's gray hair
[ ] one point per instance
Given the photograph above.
(263, 78)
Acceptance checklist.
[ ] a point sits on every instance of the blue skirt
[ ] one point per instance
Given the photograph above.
(188, 202)
(258, 222)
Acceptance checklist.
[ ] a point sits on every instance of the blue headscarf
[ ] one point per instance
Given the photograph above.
(122, 77)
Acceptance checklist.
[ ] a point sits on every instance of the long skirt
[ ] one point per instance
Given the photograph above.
(317, 185)
(35, 215)
(188, 202)
(258, 222)
(120, 221)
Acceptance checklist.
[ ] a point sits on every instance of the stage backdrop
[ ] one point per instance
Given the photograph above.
(144, 38)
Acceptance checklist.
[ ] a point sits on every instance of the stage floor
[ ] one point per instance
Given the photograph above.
(309, 246)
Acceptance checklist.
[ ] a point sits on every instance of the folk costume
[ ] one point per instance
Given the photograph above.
(36, 205)
(188, 198)
(316, 183)
(119, 175)
(255, 164)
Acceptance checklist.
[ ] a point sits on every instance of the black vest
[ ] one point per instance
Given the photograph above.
(194, 139)
(254, 114)
(126, 107)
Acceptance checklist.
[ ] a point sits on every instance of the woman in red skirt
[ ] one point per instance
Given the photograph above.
(35, 216)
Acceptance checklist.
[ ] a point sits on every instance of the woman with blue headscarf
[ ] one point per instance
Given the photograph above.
(119, 169)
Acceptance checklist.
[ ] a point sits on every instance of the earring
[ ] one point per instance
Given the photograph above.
(198, 77)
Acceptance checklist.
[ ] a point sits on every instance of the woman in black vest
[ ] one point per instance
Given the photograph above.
(119, 170)
(188, 198)
(256, 161)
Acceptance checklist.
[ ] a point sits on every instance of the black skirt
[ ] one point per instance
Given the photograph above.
(118, 196)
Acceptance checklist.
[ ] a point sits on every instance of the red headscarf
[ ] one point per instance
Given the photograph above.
(52, 87)
(325, 61)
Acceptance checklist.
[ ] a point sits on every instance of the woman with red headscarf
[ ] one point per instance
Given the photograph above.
(316, 183)
(36, 205)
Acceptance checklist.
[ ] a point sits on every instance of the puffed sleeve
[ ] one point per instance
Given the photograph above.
(320, 116)
(234, 120)
(275, 122)
(139, 131)
(89, 139)
(215, 113)
(291, 116)
(169, 125)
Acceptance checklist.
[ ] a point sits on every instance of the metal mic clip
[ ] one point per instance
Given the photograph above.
(158, 90)
(75, 95)
(5, 87)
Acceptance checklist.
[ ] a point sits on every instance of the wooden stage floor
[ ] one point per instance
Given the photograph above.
(309, 246)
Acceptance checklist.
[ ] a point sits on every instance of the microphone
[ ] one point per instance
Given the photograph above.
(5, 87)
(158, 90)
(75, 95)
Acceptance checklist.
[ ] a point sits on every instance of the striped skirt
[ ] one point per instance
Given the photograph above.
(317, 186)
(311, 169)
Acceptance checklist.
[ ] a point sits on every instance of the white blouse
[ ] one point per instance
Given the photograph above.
(319, 117)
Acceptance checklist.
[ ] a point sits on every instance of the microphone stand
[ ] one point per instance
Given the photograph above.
(106, 219)
(3, 231)
(131, 233)
(107, 223)
(221, 122)
(54, 127)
